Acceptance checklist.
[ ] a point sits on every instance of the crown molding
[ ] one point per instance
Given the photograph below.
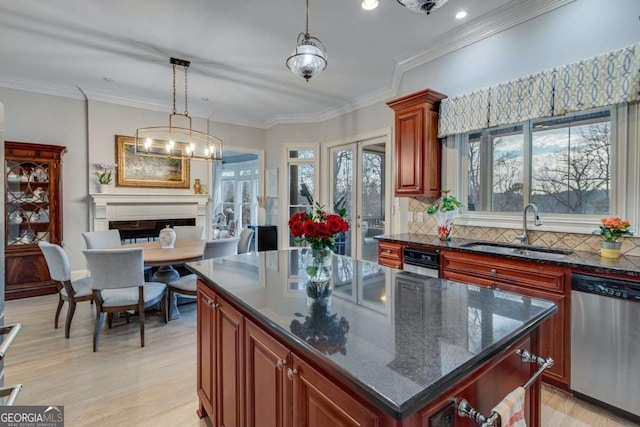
(41, 88)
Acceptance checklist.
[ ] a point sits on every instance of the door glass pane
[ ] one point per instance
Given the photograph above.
(301, 184)
(228, 199)
(373, 201)
(343, 194)
(301, 154)
(508, 172)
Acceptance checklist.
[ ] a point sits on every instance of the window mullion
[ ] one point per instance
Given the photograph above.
(527, 162)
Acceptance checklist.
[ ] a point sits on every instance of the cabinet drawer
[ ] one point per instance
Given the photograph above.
(390, 254)
(522, 273)
(464, 278)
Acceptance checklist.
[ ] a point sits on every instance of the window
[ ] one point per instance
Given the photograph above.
(239, 188)
(563, 165)
(302, 178)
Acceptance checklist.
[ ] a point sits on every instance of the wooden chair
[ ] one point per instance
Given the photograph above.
(70, 291)
(188, 232)
(186, 285)
(118, 285)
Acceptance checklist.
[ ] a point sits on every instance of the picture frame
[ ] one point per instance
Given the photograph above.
(149, 171)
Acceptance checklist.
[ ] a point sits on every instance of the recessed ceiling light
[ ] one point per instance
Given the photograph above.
(369, 4)
(205, 99)
(108, 79)
(461, 14)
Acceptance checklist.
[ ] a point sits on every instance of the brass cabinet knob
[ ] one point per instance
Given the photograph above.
(291, 373)
(281, 364)
(494, 271)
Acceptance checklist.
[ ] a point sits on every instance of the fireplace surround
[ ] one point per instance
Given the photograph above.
(148, 209)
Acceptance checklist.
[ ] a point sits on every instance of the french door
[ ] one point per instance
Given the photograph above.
(358, 184)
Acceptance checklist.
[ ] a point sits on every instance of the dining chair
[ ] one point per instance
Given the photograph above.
(118, 285)
(102, 239)
(68, 290)
(191, 232)
(107, 239)
(186, 285)
(245, 240)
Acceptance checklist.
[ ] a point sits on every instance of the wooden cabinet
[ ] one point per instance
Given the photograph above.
(33, 213)
(390, 254)
(318, 402)
(267, 394)
(530, 279)
(220, 350)
(417, 148)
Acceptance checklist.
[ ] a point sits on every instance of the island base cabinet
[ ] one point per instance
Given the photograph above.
(267, 396)
(317, 402)
(220, 375)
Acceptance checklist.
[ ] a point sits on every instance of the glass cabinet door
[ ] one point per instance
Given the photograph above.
(27, 202)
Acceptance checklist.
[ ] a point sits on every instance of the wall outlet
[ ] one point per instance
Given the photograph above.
(420, 216)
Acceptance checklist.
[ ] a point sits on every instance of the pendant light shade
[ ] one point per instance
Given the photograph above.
(310, 56)
(422, 6)
(178, 141)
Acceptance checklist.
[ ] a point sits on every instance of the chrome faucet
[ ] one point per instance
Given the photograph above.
(524, 238)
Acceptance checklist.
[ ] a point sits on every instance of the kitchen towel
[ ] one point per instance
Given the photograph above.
(511, 409)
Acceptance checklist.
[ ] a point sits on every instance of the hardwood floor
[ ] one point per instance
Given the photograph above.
(126, 385)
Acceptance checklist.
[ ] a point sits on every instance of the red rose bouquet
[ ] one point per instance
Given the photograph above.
(318, 228)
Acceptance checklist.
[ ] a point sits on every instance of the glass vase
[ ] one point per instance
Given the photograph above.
(318, 268)
(444, 221)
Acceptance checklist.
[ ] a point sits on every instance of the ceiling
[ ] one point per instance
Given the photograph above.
(237, 51)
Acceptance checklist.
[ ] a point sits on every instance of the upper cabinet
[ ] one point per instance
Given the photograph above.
(33, 213)
(418, 151)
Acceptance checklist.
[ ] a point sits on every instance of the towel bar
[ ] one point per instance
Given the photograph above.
(12, 332)
(466, 410)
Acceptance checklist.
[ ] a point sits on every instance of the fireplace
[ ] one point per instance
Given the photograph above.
(146, 229)
(141, 216)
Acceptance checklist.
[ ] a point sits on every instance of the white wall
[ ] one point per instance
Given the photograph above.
(45, 119)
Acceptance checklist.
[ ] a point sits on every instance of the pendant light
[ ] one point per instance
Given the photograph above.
(176, 141)
(310, 57)
(422, 6)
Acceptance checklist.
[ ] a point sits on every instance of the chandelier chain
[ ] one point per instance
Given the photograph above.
(186, 104)
(174, 88)
(307, 28)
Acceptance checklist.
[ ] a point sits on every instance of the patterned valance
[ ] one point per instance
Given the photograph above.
(606, 79)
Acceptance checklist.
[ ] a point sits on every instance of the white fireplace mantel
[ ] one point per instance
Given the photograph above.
(127, 207)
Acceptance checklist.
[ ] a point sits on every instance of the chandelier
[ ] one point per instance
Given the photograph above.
(310, 57)
(177, 141)
(422, 6)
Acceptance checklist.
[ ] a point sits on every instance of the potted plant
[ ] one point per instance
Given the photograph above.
(445, 210)
(611, 229)
(105, 175)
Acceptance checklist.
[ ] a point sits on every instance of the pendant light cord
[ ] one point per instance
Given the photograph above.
(307, 30)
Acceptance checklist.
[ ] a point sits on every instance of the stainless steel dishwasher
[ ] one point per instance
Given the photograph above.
(605, 341)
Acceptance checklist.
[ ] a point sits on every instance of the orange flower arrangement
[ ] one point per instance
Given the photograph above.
(612, 228)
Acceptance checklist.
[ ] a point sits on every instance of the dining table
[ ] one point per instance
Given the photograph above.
(183, 250)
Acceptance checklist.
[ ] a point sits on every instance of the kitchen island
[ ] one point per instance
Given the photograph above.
(389, 348)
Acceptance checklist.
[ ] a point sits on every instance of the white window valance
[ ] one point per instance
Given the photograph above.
(603, 80)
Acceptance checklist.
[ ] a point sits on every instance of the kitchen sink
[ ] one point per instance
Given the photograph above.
(509, 249)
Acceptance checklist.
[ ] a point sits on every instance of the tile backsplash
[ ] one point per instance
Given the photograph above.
(574, 241)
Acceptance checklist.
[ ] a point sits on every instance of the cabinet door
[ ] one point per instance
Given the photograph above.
(229, 335)
(267, 389)
(553, 340)
(206, 352)
(317, 402)
(409, 151)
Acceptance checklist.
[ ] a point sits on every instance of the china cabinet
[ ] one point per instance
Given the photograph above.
(33, 213)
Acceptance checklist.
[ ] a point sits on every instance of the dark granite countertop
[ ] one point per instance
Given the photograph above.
(629, 265)
(400, 339)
